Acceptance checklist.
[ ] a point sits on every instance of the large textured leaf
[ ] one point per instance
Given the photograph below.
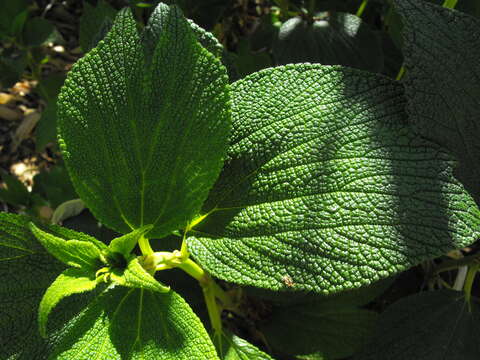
(343, 39)
(143, 129)
(27, 270)
(430, 325)
(136, 324)
(442, 81)
(325, 188)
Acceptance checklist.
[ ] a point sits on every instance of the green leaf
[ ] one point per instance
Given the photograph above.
(165, 123)
(236, 348)
(425, 326)
(325, 187)
(11, 11)
(76, 253)
(27, 270)
(441, 50)
(15, 193)
(249, 62)
(46, 129)
(126, 243)
(11, 69)
(342, 39)
(54, 185)
(37, 31)
(330, 327)
(136, 324)
(135, 276)
(93, 22)
(49, 86)
(70, 281)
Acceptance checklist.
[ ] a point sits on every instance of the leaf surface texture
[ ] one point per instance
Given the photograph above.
(143, 126)
(136, 324)
(325, 187)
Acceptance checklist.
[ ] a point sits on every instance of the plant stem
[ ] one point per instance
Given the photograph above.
(460, 279)
(450, 4)
(362, 7)
(211, 292)
(145, 247)
(311, 8)
(195, 271)
(454, 264)
(214, 312)
(400, 73)
(467, 288)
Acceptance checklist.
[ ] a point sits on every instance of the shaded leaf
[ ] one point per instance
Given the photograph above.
(37, 31)
(341, 39)
(46, 130)
(54, 185)
(10, 14)
(27, 270)
(429, 325)
(324, 327)
(15, 192)
(441, 50)
(93, 23)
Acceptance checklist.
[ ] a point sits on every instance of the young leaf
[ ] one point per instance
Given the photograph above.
(70, 281)
(126, 243)
(236, 348)
(27, 271)
(165, 122)
(135, 276)
(325, 187)
(425, 326)
(81, 254)
(441, 49)
(343, 39)
(136, 324)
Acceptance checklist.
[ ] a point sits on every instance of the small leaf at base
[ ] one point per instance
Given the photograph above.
(80, 254)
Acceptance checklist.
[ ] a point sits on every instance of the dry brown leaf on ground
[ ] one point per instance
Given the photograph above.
(25, 128)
